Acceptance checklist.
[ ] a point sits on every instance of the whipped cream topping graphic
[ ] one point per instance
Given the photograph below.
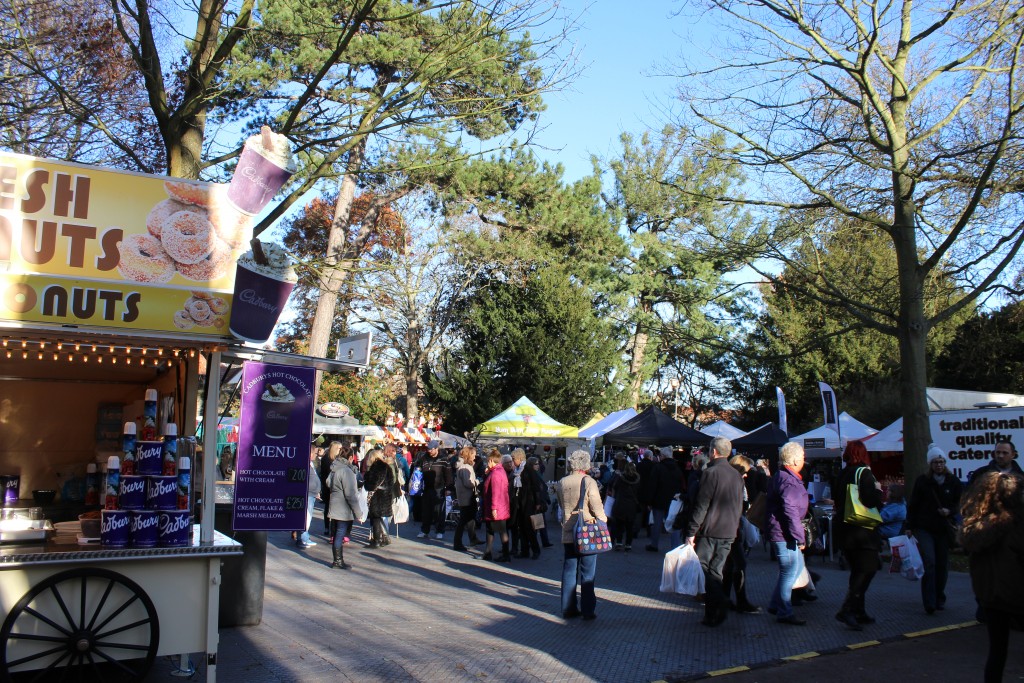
(273, 147)
(278, 393)
(279, 265)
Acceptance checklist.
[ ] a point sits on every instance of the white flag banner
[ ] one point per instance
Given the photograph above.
(783, 423)
(828, 403)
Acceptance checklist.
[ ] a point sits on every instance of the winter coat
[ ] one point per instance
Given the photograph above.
(893, 517)
(437, 473)
(665, 482)
(786, 507)
(344, 486)
(465, 484)
(494, 501)
(626, 492)
(992, 467)
(569, 500)
(926, 499)
(524, 497)
(851, 537)
(325, 471)
(996, 554)
(719, 504)
(312, 481)
(379, 484)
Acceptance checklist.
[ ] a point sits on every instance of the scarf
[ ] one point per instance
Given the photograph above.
(796, 473)
(517, 481)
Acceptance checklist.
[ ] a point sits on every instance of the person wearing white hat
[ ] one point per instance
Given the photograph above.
(933, 516)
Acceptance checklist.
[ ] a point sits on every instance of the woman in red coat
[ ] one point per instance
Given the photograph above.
(496, 506)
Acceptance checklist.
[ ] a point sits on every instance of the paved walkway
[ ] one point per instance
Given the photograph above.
(419, 611)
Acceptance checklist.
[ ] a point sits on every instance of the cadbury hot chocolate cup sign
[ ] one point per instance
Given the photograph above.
(272, 465)
(262, 286)
(264, 167)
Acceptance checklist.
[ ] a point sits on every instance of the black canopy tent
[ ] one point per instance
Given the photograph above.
(653, 427)
(766, 436)
(765, 440)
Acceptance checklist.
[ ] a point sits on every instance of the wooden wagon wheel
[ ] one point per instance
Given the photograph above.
(87, 632)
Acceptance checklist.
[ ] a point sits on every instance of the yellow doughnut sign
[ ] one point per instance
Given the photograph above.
(92, 246)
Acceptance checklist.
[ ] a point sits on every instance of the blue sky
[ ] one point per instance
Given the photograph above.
(621, 49)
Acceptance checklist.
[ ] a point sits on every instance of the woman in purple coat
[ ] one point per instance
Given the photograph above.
(786, 507)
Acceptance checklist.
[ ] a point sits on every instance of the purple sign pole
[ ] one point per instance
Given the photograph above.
(274, 433)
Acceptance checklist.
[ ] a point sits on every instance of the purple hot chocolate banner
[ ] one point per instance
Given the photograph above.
(275, 430)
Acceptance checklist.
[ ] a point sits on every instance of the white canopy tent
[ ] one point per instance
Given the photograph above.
(887, 439)
(824, 442)
(724, 429)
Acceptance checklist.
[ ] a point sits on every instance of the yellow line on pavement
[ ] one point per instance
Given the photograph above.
(797, 658)
(733, 670)
(867, 643)
(939, 629)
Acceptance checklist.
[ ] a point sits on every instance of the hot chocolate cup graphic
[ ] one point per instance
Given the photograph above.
(277, 404)
(263, 283)
(263, 168)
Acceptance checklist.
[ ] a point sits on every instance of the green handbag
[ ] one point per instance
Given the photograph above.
(856, 512)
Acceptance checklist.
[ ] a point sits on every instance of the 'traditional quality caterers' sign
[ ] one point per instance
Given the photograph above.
(274, 434)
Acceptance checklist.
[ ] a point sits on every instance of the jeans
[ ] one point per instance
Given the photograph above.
(659, 526)
(343, 528)
(578, 570)
(712, 553)
(310, 500)
(934, 549)
(791, 563)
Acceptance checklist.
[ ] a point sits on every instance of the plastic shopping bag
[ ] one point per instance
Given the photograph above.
(681, 572)
(416, 482)
(906, 558)
(609, 503)
(673, 509)
(364, 505)
(400, 510)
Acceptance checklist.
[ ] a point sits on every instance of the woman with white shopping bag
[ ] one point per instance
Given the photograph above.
(932, 519)
(786, 506)
(578, 570)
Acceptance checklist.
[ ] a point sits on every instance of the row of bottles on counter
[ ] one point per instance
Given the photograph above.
(149, 475)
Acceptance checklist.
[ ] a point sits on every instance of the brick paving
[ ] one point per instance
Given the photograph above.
(419, 611)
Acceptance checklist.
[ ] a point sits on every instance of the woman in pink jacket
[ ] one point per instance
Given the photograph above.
(496, 507)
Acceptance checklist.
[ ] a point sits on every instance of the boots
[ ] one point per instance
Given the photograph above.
(862, 616)
(505, 556)
(339, 559)
(374, 536)
(847, 614)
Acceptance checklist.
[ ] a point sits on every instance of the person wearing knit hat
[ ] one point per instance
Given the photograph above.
(933, 515)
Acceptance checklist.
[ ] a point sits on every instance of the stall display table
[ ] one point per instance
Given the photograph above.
(78, 604)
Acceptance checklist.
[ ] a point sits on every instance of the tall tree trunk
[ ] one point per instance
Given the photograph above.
(337, 258)
(913, 330)
(636, 366)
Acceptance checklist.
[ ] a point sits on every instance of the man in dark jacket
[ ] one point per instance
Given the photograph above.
(713, 524)
(437, 476)
(1003, 460)
(664, 484)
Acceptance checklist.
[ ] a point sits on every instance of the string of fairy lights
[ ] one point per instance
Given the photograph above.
(90, 352)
